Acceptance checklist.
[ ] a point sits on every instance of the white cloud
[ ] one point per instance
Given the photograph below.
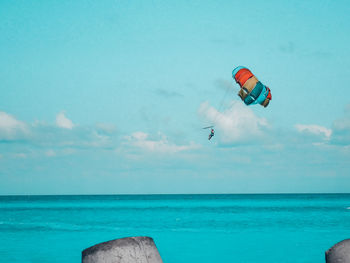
(95, 139)
(139, 136)
(342, 124)
(50, 136)
(341, 129)
(63, 122)
(237, 124)
(143, 141)
(11, 128)
(314, 129)
(106, 128)
(20, 155)
(50, 153)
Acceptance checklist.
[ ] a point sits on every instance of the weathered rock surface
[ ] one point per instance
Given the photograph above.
(339, 253)
(124, 250)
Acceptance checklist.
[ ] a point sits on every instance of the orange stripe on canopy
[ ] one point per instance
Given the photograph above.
(243, 75)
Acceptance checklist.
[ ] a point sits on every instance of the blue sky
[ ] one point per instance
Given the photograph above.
(109, 97)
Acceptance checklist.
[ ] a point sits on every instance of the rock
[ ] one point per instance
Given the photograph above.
(124, 250)
(339, 253)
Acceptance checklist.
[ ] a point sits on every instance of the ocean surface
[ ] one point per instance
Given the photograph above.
(186, 228)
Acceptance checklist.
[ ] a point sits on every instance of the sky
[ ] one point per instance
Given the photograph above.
(110, 97)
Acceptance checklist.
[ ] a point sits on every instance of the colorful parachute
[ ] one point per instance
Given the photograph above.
(252, 90)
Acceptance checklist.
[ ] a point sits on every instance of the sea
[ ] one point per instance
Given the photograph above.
(237, 228)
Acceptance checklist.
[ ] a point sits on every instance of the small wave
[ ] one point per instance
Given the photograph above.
(348, 208)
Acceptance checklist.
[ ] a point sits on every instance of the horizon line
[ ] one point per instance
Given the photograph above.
(154, 194)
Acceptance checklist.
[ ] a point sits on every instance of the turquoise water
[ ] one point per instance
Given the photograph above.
(185, 228)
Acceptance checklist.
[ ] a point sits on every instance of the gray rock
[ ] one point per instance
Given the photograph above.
(339, 253)
(124, 250)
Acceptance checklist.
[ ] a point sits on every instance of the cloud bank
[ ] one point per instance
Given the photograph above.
(236, 125)
(314, 129)
(52, 139)
(160, 144)
(337, 135)
(11, 128)
(61, 134)
(239, 125)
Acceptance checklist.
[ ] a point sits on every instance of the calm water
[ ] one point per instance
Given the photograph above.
(185, 228)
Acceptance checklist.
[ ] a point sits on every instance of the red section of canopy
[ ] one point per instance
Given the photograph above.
(269, 96)
(242, 76)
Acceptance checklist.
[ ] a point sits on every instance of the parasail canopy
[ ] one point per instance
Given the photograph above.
(252, 90)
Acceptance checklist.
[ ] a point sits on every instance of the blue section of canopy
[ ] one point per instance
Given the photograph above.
(258, 94)
(263, 95)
